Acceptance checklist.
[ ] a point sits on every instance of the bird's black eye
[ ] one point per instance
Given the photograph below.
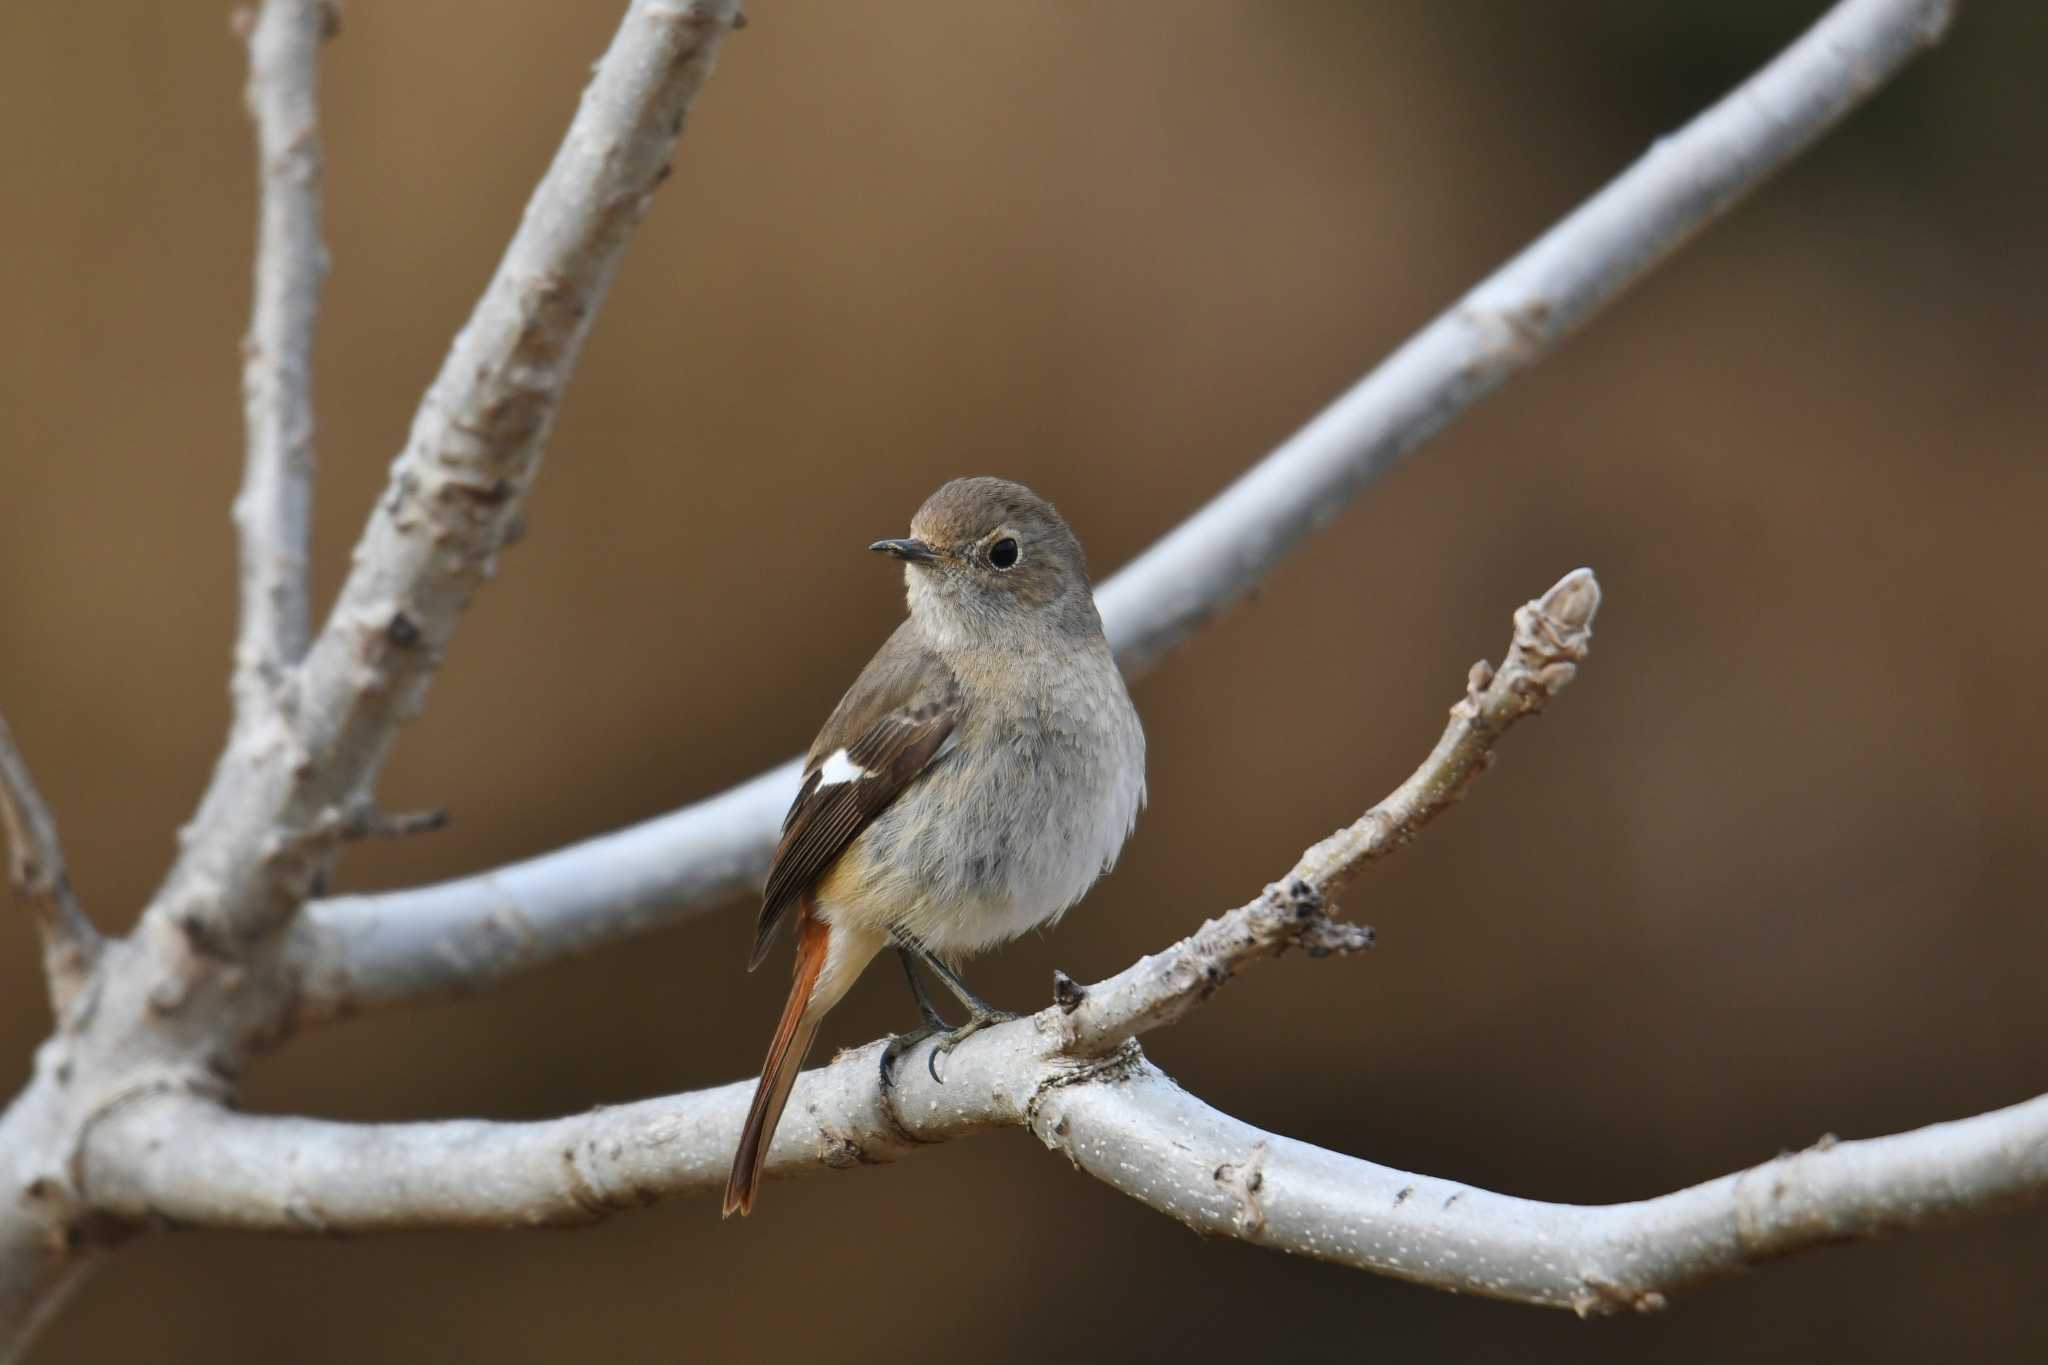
(1003, 554)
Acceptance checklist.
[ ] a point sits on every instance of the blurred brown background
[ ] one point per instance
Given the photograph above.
(1770, 869)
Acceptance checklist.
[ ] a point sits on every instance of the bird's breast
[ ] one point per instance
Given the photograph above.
(1014, 824)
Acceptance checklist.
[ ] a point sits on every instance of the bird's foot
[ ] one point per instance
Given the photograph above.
(932, 1026)
(977, 1020)
(980, 1014)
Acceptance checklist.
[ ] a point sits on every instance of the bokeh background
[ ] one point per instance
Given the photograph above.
(1771, 869)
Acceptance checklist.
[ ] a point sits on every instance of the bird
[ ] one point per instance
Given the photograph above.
(983, 771)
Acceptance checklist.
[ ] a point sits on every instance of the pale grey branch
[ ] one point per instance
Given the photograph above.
(280, 796)
(1148, 1138)
(357, 953)
(35, 866)
(1125, 1122)
(176, 1007)
(366, 951)
(273, 512)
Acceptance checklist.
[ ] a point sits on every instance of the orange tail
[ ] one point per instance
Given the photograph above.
(785, 1059)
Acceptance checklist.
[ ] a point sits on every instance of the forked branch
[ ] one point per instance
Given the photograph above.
(280, 797)
(179, 1003)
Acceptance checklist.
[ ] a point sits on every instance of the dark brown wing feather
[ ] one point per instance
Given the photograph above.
(892, 722)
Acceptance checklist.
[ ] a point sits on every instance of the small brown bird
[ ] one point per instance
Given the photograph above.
(980, 774)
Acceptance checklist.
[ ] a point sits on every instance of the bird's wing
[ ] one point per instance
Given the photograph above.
(888, 729)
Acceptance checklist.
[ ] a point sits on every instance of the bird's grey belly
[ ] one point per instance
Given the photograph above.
(1025, 831)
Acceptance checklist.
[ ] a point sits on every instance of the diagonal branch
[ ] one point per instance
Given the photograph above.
(36, 868)
(273, 511)
(177, 1158)
(1552, 635)
(363, 952)
(279, 797)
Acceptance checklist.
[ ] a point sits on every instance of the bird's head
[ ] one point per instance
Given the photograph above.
(986, 556)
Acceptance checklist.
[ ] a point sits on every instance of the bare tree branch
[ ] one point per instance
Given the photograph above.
(1148, 1138)
(353, 954)
(273, 511)
(1071, 1076)
(36, 868)
(177, 1006)
(278, 801)
(368, 821)
(192, 1163)
(361, 952)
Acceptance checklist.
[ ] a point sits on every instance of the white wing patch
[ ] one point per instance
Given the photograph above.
(839, 768)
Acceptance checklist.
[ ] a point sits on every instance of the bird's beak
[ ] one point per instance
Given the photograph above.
(910, 551)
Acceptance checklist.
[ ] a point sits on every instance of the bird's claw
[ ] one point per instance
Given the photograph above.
(900, 1043)
(952, 1038)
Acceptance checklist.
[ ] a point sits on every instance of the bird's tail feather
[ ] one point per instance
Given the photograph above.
(793, 1037)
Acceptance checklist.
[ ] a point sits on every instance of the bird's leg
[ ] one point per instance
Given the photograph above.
(933, 1022)
(980, 1014)
(976, 1006)
(925, 1008)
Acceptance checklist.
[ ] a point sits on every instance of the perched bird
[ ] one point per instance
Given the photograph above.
(980, 774)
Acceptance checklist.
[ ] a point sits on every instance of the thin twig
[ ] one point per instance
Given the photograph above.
(273, 511)
(362, 952)
(1552, 635)
(36, 869)
(368, 821)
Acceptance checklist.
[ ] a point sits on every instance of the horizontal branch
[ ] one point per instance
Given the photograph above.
(35, 867)
(356, 953)
(281, 794)
(274, 510)
(365, 951)
(184, 1161)
(1148, 1138)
